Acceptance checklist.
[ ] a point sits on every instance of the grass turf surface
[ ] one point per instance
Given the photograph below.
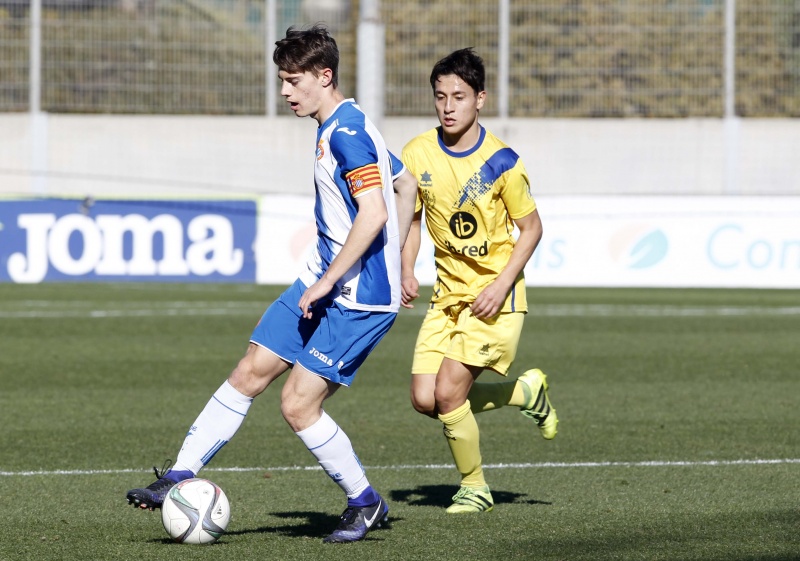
(678, 437)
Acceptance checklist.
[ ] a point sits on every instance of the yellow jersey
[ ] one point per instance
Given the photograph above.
(470, 199)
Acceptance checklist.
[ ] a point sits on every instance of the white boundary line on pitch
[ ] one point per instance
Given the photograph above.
(17, 310)
(542, 465)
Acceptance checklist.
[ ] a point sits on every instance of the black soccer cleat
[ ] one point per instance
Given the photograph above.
(355, 522)
(152, 496)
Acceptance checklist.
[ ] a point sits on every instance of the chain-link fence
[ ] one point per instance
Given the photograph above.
(565, 58)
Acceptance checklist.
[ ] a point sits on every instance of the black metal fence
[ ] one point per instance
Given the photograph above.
(566, 58)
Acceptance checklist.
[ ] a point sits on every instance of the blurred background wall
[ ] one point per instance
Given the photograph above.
(109, 97)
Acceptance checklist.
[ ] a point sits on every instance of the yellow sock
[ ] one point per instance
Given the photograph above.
(463, 437)
(486, 397)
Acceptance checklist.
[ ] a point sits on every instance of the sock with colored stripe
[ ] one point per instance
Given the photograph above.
(216, 425)
(334, 452)
(463, 437)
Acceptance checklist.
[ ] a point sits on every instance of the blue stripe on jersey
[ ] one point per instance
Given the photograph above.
(374, 287)
(483, 180)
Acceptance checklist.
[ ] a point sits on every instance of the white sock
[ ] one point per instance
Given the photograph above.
(335, 454)
(217, 423)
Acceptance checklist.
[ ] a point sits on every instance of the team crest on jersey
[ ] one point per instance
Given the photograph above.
(428, 198)
(320, 151)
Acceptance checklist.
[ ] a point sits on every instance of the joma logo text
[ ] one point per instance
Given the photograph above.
(318, 355)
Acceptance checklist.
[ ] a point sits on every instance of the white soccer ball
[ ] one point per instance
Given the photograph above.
(195, 511)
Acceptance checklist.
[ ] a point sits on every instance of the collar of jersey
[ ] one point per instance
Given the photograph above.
(332, 117)
(449, 152)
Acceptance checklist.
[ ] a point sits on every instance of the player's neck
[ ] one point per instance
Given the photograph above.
(329, 103)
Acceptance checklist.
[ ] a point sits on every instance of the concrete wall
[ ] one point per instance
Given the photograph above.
(110, 156)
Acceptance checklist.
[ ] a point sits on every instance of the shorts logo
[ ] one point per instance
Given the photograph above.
(484, 350)
(463, 225)
(318, 355)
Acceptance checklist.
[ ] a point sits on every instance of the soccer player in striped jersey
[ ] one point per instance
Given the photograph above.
(474, 190)
(324, 326)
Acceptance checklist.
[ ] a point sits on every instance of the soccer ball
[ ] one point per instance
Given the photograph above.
(195, 511)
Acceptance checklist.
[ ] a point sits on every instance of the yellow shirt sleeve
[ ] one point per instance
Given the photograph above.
(516, 192)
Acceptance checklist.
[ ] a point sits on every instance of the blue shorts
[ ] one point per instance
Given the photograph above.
(332, 344)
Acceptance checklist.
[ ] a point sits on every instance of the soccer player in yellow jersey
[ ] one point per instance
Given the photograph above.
(474, 190)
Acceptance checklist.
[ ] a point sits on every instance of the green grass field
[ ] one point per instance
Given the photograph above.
(679, 436)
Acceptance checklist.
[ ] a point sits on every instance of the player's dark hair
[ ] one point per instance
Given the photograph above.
(463, 63)
(307, 50)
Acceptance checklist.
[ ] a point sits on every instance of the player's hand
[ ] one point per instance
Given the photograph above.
(312, 295)
(409, 291)
(489, 302)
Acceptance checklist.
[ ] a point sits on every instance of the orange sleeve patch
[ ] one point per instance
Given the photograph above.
(364, 179)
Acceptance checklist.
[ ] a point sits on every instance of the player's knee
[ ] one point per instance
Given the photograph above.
(290, 411)
(297, 412)
(424, 403)
(248, 379)
(446, 400)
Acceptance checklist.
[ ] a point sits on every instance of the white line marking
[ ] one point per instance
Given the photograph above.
(541, 465)
(86, 309)
(601, 310)
(99, 314)
(60, 309)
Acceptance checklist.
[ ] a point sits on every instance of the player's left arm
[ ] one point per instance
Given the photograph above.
(516, 196)
(405, 188)
(490, 301)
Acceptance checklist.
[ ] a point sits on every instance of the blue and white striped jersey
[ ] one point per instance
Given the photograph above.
(352, 159)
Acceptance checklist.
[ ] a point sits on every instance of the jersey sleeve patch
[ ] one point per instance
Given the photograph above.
(364, 179)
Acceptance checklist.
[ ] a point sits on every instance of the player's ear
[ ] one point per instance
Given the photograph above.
(326, 77)
(481, 99)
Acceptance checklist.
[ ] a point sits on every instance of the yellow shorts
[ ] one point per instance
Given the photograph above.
(458, 335)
